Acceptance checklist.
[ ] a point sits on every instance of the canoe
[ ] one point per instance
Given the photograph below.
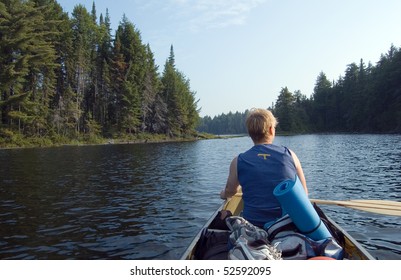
(352, 249)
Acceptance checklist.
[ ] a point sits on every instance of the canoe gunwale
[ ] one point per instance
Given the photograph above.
(358, 251)
(188, 253)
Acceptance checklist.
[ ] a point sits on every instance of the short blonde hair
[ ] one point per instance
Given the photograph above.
(258, 123)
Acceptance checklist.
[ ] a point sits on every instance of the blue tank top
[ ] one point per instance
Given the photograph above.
(260, 170)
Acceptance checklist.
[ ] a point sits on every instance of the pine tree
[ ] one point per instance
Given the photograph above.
(154, 113)
(321, 95)
(58, 34)
(118, 68)
(284, 110)
(182, 111)
(29, 63)
(169, 94)
(104, 81)
(131, 55)
(82, 62)
(385, 101)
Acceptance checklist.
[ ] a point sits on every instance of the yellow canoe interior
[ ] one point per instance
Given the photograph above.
(354, 250)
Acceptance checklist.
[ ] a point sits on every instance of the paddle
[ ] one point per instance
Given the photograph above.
(386, 207)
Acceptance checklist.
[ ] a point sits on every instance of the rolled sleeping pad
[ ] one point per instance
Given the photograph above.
(295, 202)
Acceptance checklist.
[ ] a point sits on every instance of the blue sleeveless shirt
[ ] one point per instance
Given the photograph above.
(260, 170)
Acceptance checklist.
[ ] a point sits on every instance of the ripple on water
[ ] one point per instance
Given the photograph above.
(148, 201)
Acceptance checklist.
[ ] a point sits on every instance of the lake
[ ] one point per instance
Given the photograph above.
(147, 201)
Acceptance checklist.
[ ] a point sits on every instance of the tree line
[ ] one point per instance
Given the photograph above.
(231, 123)
(66, 76)
(367, 99)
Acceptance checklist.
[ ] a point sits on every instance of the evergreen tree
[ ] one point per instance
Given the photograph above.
(132, 55)
(92, 95)
(104, 78)
(169, 94)
(119, 68)
(349, 84)
(182, 110)
(82, 26)
(61, 36)
(284, 110)
(322, 99)
(385, 101)
(301, 108)
(154, 111)
(28, 66)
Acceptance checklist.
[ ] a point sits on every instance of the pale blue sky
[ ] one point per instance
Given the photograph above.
(238, 54)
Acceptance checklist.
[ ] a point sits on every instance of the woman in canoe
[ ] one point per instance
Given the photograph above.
(260, 169)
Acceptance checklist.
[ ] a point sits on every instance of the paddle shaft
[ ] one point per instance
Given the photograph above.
(385, 207)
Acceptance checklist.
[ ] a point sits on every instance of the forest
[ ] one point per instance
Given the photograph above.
(67, 77)
(367, 99)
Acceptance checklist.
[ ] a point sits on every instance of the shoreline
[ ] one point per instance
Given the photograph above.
(147, 139)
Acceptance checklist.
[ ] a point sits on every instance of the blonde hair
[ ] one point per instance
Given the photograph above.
(258, 123)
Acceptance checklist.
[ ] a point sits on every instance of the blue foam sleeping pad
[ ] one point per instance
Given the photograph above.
(296, 204)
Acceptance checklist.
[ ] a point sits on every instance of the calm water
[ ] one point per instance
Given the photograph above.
(147, 201)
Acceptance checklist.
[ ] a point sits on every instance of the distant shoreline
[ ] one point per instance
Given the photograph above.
(138, 139)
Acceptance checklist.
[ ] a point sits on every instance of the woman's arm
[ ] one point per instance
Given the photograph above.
(232, 184)
(300, 171)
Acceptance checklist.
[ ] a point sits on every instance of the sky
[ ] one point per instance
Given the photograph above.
(239, 54)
